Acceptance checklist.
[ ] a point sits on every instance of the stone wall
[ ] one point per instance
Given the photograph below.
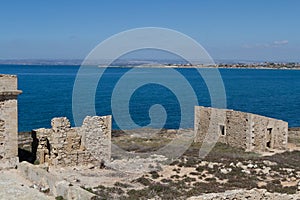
(94, 142)
(238, 129)
(63, 145)
(268, 133)
(8, 121)
(203, 117)
(25, 140)
(294, 136)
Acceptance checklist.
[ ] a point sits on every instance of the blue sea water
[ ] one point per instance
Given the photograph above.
(47, 93)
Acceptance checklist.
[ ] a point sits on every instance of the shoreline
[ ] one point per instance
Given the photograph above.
(163, 66)
(206, 67)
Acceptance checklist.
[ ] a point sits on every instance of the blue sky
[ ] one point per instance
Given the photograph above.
(227, 29)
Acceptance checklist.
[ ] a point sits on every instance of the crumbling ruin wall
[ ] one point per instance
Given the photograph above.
(99, 144)
(8, 121)
(204, 124)
(294, 136)
(221, 125)
(268, 133)
(63, 145)
(238, 129)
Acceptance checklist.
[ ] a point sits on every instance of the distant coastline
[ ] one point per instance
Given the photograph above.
(220, 66)
(160, 64)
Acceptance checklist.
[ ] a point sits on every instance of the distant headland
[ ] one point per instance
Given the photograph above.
(162, 63)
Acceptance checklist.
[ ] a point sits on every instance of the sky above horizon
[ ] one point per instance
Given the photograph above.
(266, 30)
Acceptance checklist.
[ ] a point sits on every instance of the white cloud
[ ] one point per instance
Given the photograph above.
(276, 43)
(281, 42)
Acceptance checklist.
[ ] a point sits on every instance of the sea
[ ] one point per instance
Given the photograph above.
(48, 92)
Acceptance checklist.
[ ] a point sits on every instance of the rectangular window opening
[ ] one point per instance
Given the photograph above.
(222, 130)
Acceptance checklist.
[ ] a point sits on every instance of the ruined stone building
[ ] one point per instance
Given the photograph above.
(239, 129)
(63, 145)
(8, 121)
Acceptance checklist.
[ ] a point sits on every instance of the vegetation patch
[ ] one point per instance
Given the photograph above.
(224, 168)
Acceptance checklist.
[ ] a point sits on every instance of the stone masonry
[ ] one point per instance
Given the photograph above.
(63, 145)
(239, 129)
(8, 121)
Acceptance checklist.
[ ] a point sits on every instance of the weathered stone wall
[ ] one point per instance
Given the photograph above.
(204, 124)
(8, 121)
(234, 123)
(25, 140)
(96, 132)
(263, 139)
(63, 145)
(294, 136)
(8, 83)
(238, 129)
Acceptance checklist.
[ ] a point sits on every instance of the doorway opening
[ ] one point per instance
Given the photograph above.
(269, 138)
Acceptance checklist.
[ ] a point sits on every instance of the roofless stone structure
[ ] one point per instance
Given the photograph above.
(239, 129)
(63, 145)
(8, 121)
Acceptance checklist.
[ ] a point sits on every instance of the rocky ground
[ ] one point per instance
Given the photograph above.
(225, 173)
(14, 186)
(246, 194)
(190, 176)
